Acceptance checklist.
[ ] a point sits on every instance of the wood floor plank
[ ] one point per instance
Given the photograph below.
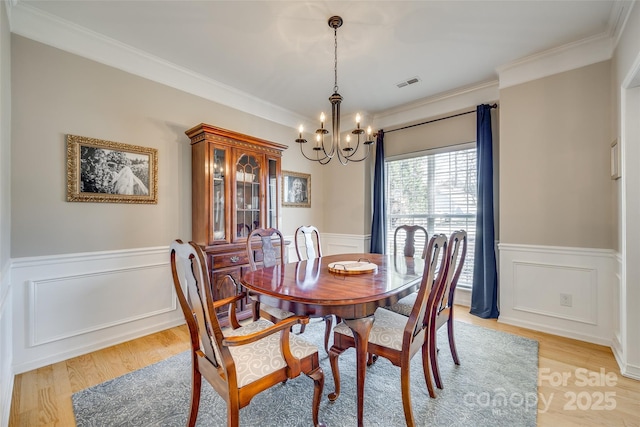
(43, 397)
(29, 391)
(83, 372)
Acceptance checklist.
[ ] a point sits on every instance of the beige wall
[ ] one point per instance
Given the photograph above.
(348, 197)
(443, 133)
(555, 136)
(56, 93)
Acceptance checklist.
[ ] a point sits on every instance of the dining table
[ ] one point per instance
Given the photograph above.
(319, 287)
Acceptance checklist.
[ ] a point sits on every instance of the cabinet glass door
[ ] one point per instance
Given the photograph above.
(272, 194)
(247, 195)
(218, 194)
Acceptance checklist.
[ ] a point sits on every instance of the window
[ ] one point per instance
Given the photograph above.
(436, 190)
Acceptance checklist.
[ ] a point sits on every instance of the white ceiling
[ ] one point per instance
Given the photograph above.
(282, 51)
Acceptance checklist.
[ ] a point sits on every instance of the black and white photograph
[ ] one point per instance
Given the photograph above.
(112, 172)
(296, 188)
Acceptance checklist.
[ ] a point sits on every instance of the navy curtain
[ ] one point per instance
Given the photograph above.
(484, 295)
(379, 212)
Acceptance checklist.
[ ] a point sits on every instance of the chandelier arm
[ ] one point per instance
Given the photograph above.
(365, 157)
(309, 158)
(325, 162)
(343, 160)
(331, 153)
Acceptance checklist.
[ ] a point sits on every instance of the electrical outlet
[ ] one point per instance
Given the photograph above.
(565, 300)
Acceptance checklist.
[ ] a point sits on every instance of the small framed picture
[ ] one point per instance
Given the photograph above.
(110, 172)
(296, 188)
(615, 160)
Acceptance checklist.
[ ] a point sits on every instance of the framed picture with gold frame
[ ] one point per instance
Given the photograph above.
(110, 172)
(296, 189)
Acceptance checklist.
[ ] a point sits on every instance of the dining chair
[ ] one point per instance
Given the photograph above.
(241, 361)
(405, 305)
(308, 237)
(398, 338)
(456, 254)
(410, 231)
(265, 254)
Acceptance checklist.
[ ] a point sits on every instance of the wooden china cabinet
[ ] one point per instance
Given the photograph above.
(235, 188)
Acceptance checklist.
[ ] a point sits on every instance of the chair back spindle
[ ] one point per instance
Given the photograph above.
(308, 233)
(410, 231)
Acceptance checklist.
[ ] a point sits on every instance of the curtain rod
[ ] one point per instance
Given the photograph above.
(437, 120)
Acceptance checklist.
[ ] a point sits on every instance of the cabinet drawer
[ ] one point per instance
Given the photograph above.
(229, 260)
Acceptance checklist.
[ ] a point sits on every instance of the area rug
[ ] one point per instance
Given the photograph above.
(495, 385)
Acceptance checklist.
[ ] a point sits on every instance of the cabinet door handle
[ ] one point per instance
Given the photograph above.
(235, 258)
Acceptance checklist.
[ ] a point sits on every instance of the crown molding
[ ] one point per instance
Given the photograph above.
(458, 99)
(558, 60)
(570, 56)
(618, 18)
(40, 26)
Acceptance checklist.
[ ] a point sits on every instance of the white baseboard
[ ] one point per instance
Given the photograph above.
(6, 346)
(7, 394)
(541, 327)
(626, 369)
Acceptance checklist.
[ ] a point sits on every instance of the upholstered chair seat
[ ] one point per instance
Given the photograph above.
(261, 358)
(404, 305)
(387, 330)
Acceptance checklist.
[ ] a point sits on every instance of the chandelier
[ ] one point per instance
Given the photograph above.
(345, 153)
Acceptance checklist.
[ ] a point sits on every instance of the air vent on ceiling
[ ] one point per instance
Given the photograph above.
(408, 82)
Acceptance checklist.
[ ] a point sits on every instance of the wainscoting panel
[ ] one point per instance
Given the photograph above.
(563, 291)
(345, 243)
(335, 244)
(63, 307)
(78, 303)
(533, 283)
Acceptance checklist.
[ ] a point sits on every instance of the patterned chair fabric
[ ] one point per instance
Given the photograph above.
(240, 361)
(263, 357)
(398, 338)
(387, 329)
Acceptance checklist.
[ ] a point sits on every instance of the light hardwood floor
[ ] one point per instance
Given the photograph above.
(579, 383)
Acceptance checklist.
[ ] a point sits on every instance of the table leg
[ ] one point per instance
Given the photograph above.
(361, 329)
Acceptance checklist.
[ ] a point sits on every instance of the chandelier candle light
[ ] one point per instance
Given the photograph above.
(345, 154)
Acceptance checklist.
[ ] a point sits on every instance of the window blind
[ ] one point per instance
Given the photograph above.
(437, 191)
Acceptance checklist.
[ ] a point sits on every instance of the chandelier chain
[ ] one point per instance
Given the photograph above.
(335, 60)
